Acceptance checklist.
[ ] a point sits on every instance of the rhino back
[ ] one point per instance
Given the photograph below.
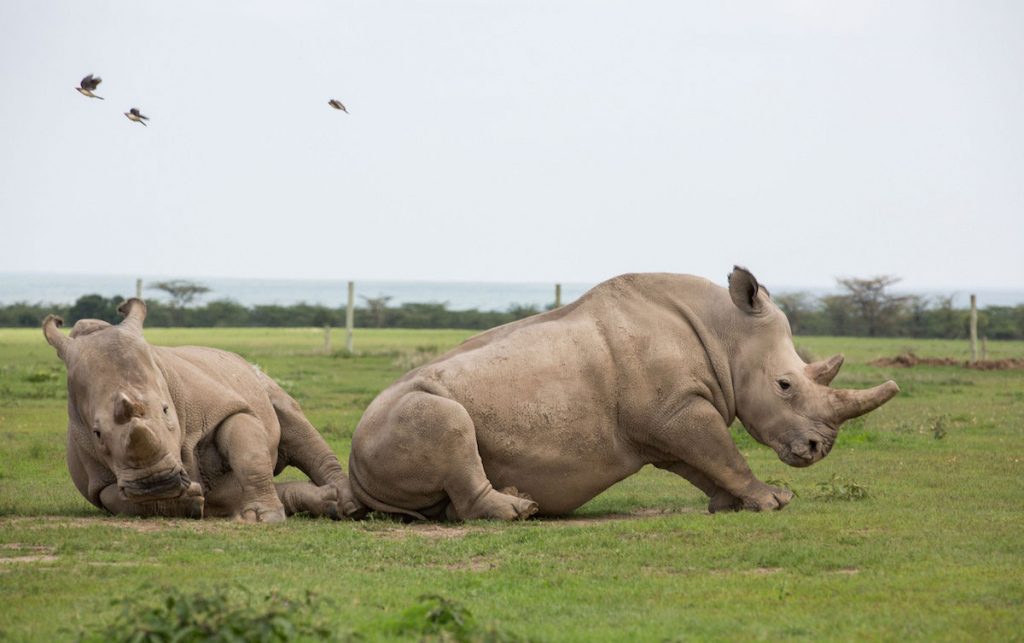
(208, 385)
(566, 398)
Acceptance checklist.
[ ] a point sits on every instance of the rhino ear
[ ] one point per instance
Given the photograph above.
(134, 312)
(743, 288)
(54, 337)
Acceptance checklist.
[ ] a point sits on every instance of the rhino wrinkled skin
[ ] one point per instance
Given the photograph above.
(541, 415)
(186, 431)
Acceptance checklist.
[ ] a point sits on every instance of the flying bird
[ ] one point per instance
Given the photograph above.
(336, 104)
(88, 84)
(134, 115)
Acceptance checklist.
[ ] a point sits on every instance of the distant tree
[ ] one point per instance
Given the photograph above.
(95, 307)
(877, 308)
(377, 308)
(840, 318)
(798, 306)
(182, 292)
(519, 311)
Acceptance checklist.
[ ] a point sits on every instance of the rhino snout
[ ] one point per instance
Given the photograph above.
(158, 486)
(804, 451)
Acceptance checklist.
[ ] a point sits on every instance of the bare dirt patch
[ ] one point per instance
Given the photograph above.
(429, 530)
(846, 571)
(140, 525)
(577, 521)
(908, 360)
(22, 553)
(475, 564)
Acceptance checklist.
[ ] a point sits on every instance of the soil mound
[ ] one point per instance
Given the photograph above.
(907, 360)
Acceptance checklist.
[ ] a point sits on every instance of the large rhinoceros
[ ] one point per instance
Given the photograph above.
(186, 431)
(542, 414)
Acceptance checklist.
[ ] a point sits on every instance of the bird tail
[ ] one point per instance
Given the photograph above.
(99, 97)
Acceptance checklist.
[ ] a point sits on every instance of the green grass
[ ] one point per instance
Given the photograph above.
(932, 548)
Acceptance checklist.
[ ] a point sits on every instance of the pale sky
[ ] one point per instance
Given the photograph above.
(516, 141)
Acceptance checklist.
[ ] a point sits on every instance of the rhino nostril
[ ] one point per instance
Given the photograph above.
(813, 445)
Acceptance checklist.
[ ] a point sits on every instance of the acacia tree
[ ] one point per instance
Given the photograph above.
(377, 307)
(876, 308)
(182, 292)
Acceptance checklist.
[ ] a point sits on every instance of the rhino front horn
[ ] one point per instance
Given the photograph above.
(142, 445)
(825, 371)
(849, 403)
(57, 339)
(134, 312)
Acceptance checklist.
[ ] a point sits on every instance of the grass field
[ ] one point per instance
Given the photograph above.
(934, 551)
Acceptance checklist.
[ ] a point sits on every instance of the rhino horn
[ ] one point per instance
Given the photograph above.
(850, 403)
(825, 371)
(142, 445)
(134, 312)
(57, 339)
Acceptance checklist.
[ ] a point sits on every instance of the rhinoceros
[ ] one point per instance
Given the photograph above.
(541, 415)
(186, 431)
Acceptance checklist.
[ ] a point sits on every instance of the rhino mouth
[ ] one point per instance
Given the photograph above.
(159, 486)
(805, 450)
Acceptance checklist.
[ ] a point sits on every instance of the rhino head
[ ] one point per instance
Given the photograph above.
(119, 404)
(782, 401)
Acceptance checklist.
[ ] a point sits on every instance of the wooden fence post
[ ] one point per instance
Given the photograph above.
(974, 328)
(558, 295)
(350, 315)
(138, 288)
(327, 339)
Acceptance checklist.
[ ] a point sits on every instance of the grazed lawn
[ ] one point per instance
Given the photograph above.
(935, 551)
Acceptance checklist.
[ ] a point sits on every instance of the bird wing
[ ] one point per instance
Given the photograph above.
(86, 82)
(134, 111)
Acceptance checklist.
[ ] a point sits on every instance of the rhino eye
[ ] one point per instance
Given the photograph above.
(165, 409)
(784, 385)
(97, 434)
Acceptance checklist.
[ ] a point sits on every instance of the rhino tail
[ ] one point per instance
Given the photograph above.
(364, 497)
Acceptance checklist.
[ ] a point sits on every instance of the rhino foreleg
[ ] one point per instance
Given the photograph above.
(241, 439)
(702, 451)
(718, 498)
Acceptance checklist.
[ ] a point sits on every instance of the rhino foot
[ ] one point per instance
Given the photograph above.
(523, 505)
(767, 498)
(193, 501)
(261, 513)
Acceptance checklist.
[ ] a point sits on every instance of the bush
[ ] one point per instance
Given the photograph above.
(217, 616)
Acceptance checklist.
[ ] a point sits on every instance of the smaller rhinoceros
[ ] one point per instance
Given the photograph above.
(186, 431)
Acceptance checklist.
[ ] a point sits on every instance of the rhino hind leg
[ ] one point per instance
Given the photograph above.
(303, 447)
(308, 498)
(441, 458)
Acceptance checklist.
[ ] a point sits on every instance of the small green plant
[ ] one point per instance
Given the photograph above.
(38, 377)
(436, 618)
(938, 426)
(836, 489)
(214, 616)
(783, 483)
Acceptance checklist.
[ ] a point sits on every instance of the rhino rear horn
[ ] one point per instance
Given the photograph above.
(134, 312)
(57, 339)
(849, 403)
(825, 371)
